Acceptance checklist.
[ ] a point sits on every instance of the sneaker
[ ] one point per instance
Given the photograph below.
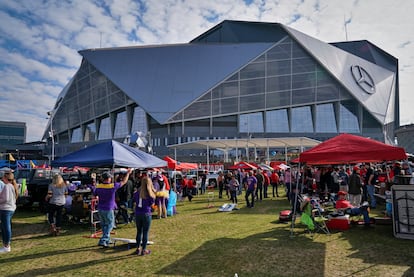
(5, 249)
(103, 244)
(145, 252)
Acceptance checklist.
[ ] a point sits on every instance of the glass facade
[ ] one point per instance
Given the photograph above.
(282, 92)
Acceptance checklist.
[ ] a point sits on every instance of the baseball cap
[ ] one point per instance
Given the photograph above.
(341, 192)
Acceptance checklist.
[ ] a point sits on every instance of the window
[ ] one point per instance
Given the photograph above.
(277, 121)
(348, 119)
(325, 119)
(105, 129)
(251, 123)
(302, 120)
(121, 125)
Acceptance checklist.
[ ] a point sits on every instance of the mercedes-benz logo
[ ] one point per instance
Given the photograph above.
(363, 79)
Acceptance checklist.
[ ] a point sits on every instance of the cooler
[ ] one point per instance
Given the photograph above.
(340, 223)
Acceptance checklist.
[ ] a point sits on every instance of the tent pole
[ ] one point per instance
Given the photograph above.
(292, 226)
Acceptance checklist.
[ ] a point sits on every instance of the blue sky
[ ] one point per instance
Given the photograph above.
(40, 40)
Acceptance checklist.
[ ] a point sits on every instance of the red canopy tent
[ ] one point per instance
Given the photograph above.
(346, 149)
(243, 165)
(173, 164)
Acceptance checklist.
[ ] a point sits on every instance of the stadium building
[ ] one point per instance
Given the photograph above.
(236, 80)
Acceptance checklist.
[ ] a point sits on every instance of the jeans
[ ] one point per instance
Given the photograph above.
(107, 220)
(143, 223)
(370, 192)
(5, 218)
(55, 211)
(248, 193)
(358, 211)
(274, 189)
(233, 196)
(259, 192)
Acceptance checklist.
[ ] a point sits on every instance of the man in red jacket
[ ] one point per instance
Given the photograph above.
(274, 181)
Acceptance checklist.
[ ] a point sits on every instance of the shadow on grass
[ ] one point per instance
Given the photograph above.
(71, 266)
(380, 248)
(278, 257)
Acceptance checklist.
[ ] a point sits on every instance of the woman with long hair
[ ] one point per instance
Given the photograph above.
(56, 196)
(8, 197)
(144, 198)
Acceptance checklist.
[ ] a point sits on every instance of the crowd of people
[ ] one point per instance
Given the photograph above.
(144, 192)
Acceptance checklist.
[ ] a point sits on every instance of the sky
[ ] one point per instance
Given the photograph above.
(40, 40)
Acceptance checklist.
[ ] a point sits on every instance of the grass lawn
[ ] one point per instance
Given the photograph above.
(200, 241)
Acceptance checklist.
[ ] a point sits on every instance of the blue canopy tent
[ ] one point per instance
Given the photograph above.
(110, 154)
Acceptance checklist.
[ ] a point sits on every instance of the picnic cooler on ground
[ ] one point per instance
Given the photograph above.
(285, 215)
(341, 222)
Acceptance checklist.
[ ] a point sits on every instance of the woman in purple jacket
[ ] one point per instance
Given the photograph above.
(144, 198)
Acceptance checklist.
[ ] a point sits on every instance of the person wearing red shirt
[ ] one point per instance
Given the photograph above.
(344, 205)
(266, 183)
(274, 181)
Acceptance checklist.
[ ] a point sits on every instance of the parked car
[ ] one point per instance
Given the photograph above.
(37, 183)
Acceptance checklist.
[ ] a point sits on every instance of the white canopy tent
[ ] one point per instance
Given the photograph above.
(226, 145)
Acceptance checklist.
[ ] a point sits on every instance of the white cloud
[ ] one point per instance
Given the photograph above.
(39, 40)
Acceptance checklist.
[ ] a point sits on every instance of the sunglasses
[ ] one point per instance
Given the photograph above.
(10, 180)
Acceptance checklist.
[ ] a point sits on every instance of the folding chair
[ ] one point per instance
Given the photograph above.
(312, 216)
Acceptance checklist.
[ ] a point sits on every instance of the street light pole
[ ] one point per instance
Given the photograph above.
(52, 136)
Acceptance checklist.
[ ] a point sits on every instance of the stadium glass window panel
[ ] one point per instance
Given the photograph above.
(196, 127)
(261, 58)
(277, 121)
(198, 109)
(278, 83)
(86, 113)
(227, 89)
(84, 84)
(234, 77)
(105, 129)
(303, 65)
(74, 118)
(298, 51)
(60, 122)
(206, 96)
(85, 98)
(253, 70)
(348, 118)
(139, 121)
(327, 93)
(325, 119)
(101, 107)
(97, 78)
(121, 125)
(225, 125)
(117, 100)
(251, 123)
(76, 135)
(99, 92)
(112, 88)
(225, 106)
(253, 102)
(303, 80)
(72, 92)
(370, 124)
(280, 52)
(303, 96)
(90, 132)
(277, 99)
(253, 86)
(275, 68)
(178, 117)
(301, 120)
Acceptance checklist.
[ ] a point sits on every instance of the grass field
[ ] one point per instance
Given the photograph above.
(200, 241)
